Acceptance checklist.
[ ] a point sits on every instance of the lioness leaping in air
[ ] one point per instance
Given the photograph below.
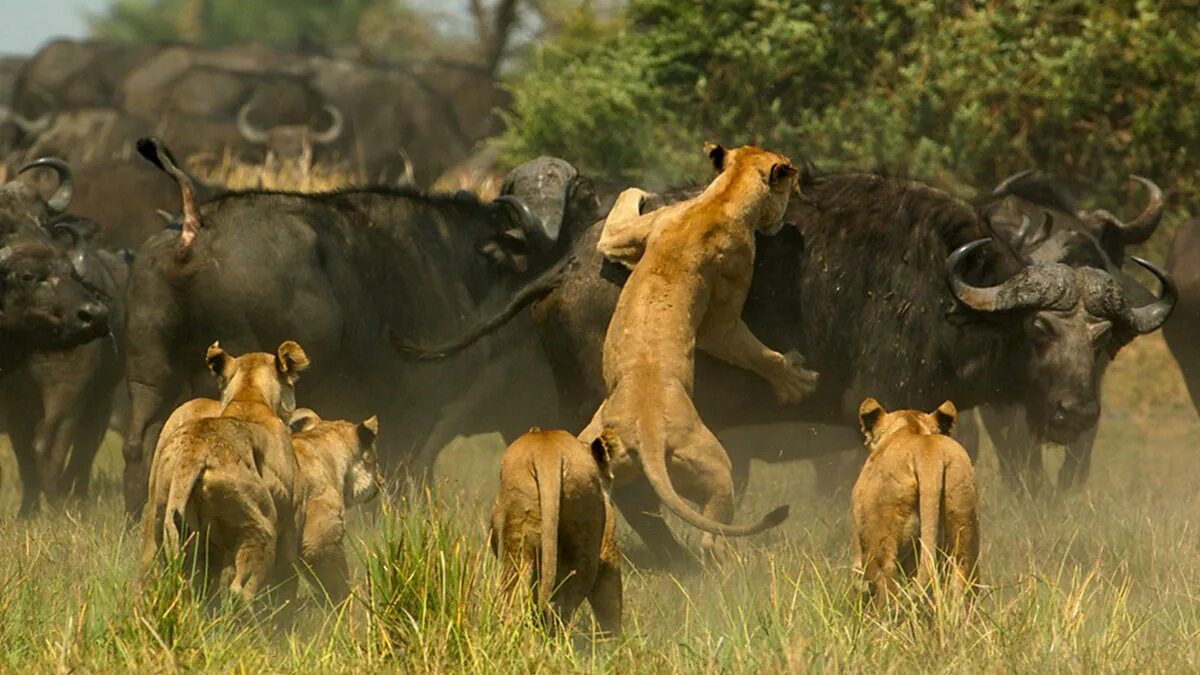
(687, 290)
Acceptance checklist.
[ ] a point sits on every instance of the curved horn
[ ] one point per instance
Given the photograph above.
(26, 125)
(61, 199)
(981, 299)
(1006, 184)
(1023, 235)
(1140, 229)
(248, 131)
(335, 127)
(529, 220)
(1151, 317)
(408, 178)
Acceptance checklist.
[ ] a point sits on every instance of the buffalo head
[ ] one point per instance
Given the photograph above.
(1028, 195)
(290, 140)
(1071, 321)
(22, 208)
(546, 203)
(43, 301)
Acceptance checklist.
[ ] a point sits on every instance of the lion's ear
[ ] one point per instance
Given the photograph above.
(782, 174)
(368, 431)
(290, 359)
(603, 447)
(217, 360)
(716, 154)
(946, 415)
(869, 414)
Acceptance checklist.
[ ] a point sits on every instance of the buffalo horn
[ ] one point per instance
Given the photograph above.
(1140, 228)
(1006, 184)
(248, 131)
(334, 131)
(61, 199)
(528, 219)
(1149, 318)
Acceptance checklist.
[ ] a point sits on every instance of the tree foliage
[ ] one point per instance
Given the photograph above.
(959, 93)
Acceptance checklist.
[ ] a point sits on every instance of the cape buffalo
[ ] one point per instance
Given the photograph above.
(891, 290)
(57, 403)
(1078, 237)
(337, 272)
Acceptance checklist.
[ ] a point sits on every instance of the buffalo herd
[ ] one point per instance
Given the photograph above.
(1013, 303)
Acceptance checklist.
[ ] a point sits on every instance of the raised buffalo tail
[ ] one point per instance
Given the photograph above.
(652, 450)
(930, 487)
(183, 482)
(548, 472)
(530, 293)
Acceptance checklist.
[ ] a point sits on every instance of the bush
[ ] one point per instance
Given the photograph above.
(958, 93)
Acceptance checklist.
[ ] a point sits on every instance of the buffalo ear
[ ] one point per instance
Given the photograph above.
(946, 415)
(218, 361)
(869, 414)
(782, 174)
(716, 154)
(290, 359)
(368, 431)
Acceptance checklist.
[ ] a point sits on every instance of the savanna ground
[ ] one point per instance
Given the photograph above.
(1107, 579)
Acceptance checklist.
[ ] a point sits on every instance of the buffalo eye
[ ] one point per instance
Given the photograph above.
(1101, 332)
(27, 277)
(1043, 329)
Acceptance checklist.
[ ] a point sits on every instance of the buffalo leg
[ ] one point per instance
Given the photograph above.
(89, 435)
(640, 506)
(149, 405)
(1078, 461)
(1018, 450)
(20, 435)
(967, 433)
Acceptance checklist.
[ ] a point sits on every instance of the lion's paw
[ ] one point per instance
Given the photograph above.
(795, 382)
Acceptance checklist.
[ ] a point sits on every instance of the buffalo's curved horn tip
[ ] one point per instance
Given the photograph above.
(1149, 318)
(1006, 184)
(61, 199)
(246, 128)
(334, 130)
(1139, 229)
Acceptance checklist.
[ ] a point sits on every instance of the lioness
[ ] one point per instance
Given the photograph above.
(552, 525)
(337, 471)
(687, 290)
(230, 479)
(916, 493)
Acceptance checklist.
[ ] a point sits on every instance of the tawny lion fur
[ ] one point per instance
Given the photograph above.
(687, 290)
(337, 467)
(914, 504)
(223, 486)
(553, 527)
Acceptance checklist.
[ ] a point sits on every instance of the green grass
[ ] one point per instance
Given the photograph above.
(1104, 580)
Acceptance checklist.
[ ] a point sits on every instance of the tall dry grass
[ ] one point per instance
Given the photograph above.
(1107, 579)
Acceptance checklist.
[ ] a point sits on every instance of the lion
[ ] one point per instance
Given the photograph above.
(223, 489)
(337, 470)
(915, 499)
(687, 290)
(553, 526)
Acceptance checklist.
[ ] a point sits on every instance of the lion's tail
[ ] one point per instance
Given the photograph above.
(931, 473)
(183, 482)
(548, 472)
(653, 451)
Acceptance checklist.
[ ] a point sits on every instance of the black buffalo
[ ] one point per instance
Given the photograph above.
(861, 288)
(337, 272)
(1045, 224)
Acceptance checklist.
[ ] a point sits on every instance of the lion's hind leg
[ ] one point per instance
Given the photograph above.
(701, 471)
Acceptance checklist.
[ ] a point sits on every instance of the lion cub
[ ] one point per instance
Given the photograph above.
(552, 525)
(337, 471)
(687, 290)
(223, 482)
(915, 499)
